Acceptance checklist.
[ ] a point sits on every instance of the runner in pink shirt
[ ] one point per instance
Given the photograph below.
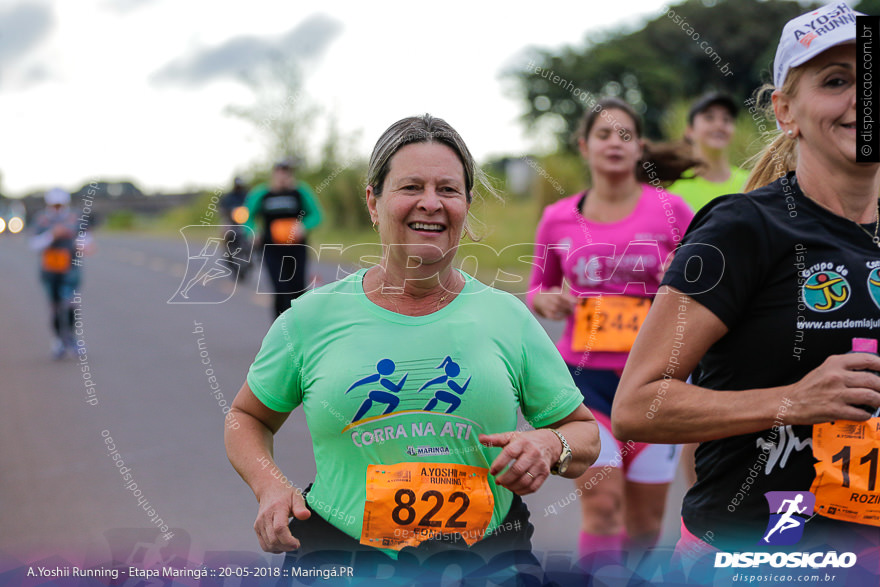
(600, 255)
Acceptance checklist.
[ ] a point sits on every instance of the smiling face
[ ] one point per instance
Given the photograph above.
(822, 113)
(712, 128)
(612, 146)
(422, 206)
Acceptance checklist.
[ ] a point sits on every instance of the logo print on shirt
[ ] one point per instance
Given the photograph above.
(452, 369)
(387, 388)
(789, 511)
(874, 286)
(826, 291)
(384, 368)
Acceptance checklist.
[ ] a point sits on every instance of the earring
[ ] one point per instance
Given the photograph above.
(376, 230)
(790, 133)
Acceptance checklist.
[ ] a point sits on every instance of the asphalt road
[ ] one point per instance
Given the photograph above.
(147, 390)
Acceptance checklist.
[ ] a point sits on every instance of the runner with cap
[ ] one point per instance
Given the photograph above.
(710, 128)
(768, 293)
(288, 210)
(56, 236)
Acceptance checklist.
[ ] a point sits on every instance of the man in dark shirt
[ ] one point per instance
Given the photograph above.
(288, 210)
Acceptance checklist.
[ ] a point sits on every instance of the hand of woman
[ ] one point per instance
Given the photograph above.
(554, 303)
(833, 389)
(276, 508)
(532, 454)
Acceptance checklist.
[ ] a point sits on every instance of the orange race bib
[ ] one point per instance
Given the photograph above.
(609, 323)
(283, 231)
(846, 474)
(409, 503)
(56, 260)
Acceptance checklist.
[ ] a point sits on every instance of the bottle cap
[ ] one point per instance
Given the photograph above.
(864, 345)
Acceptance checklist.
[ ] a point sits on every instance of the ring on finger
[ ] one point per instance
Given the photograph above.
(530, 475)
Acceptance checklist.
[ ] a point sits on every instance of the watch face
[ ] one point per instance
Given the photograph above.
(566, 460)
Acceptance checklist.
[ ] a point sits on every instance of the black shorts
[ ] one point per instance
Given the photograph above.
(506, 552)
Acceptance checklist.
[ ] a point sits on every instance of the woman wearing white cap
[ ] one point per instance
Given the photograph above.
(767, 294)
(55, 237)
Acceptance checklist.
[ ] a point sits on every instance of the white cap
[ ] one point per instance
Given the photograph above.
(813, 33)
(57, 196)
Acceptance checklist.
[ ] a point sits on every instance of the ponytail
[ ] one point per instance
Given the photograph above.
(664, 162)
(773, 162)
(780, 156)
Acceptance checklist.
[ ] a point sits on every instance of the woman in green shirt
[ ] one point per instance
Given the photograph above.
(410, 374)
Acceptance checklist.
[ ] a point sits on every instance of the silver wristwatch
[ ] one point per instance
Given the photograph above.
(564, 461)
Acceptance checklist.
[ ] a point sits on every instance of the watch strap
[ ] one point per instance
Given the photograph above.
(566, 450)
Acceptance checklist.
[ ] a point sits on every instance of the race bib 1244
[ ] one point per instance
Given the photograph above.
(608, 323)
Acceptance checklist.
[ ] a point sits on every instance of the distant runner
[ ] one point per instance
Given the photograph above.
(288, 210)
(55, 232)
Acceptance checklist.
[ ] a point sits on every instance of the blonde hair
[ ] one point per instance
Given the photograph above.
(780, 156)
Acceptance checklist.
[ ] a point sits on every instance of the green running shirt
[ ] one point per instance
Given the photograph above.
(698, 192)
(380, 387)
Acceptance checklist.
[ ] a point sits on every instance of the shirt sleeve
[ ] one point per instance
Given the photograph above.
(41, 237)
(723, 257)
(252, 202)
(547, 391)
(547, 266)
(275, 375)
(313, 214)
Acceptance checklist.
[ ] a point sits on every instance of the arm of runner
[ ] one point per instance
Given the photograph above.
(313, 214)
(40, 241)
(654, 404)
(554, 303)
(252, 202)
(249, 446)
(533, 453)
(546, 295)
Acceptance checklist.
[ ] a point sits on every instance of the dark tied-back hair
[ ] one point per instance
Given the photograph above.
(663, 162)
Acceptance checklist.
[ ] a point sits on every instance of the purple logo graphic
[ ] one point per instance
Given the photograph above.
(789, 511)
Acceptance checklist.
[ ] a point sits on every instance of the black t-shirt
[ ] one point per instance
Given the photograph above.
(284, 204)
(790, 280)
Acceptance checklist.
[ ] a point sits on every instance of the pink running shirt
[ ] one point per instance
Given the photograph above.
(623, 257)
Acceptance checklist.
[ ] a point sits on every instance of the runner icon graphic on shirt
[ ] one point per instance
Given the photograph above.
(384, 368)
(451, 370)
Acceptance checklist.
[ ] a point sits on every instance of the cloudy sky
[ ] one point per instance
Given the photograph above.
(141, 89)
